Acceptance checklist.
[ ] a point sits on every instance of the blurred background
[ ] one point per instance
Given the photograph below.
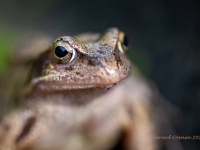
(163, 35)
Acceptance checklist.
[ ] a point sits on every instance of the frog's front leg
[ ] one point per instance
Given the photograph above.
(15, 128)
(137, 119)
(140, 130)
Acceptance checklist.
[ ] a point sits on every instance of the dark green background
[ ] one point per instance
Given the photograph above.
(164, 40)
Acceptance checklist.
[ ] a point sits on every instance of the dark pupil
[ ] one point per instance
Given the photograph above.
(125, 41)
(60, 51)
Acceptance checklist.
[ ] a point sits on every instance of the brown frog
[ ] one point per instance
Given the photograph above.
(79, 95)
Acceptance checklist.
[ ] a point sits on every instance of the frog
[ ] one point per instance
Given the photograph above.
(81, 93)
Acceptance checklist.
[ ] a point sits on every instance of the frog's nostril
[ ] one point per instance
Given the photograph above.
(60, 51)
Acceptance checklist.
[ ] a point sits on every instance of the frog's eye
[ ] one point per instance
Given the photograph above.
(60, 51)
(122, 44)
(64, 54)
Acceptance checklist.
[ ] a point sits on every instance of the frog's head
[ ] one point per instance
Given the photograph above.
(87, 61)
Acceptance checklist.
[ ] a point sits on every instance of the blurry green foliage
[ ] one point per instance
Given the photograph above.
(141, 61)
(7, 41)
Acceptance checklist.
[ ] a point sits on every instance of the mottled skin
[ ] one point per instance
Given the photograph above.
(85, 101)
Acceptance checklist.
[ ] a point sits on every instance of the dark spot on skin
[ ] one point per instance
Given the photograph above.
(95, 62)
(77, 73)
(101, 52)
(60, 39)
(69, 68)
(26, 129)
